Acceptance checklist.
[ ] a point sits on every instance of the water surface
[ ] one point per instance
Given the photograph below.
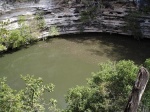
(68, 60)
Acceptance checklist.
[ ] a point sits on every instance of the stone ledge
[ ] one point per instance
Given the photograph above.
(68, 20)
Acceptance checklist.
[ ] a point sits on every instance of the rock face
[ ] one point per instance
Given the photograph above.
(67, 19)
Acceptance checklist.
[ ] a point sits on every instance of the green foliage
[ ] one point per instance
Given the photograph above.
(29, 99)
(146, 96)
(26, 34)
(9, 101)
(86, 99)
(32, 94)
(21, 19)
(10, 39)
(2, 48)
(88, 15)
(15, 39)
(121, 84)
(108, 89)
(147, 64)
(146, 9)
(90, 12)
(40, 21)
(53, 31)
(132, 24)
(4, 35)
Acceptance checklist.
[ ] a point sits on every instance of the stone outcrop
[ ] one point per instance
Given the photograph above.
(68, 20)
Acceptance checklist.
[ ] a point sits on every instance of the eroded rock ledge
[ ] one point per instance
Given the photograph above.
(67, 18)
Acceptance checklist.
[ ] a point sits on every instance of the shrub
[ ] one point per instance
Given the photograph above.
(29, 99)
(40, 21)
(107, 90)
(2, 48)
(53, 31)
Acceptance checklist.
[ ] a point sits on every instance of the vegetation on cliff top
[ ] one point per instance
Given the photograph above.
(24, 35)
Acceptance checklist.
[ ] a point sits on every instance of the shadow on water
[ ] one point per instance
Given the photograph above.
(69, 63)
(116, 47)
(11, 51)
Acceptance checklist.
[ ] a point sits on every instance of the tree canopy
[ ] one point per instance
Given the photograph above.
(107, 90)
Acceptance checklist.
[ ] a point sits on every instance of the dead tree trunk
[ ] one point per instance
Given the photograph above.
(137, 90)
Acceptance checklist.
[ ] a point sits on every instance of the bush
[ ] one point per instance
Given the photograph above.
(53, 31)
(146, 97)
(40, 21)
(133, 24)
(147, 64)
(10, 39)
(15, 39)
(107, 90)
(29, 99)
(2, 48)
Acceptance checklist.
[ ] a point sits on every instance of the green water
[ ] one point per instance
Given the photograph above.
(68, 61)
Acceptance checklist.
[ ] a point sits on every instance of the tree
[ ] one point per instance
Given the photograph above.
(8, 100)
(4, 34)
(40, 21)
(107, 90)
(145, 104)
(29, 99)
(133, 24)
(10, 39)
(137, 90)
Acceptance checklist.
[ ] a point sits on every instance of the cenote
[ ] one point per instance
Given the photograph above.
(67, 61)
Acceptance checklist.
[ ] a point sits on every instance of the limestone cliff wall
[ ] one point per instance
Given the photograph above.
(67, 18)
